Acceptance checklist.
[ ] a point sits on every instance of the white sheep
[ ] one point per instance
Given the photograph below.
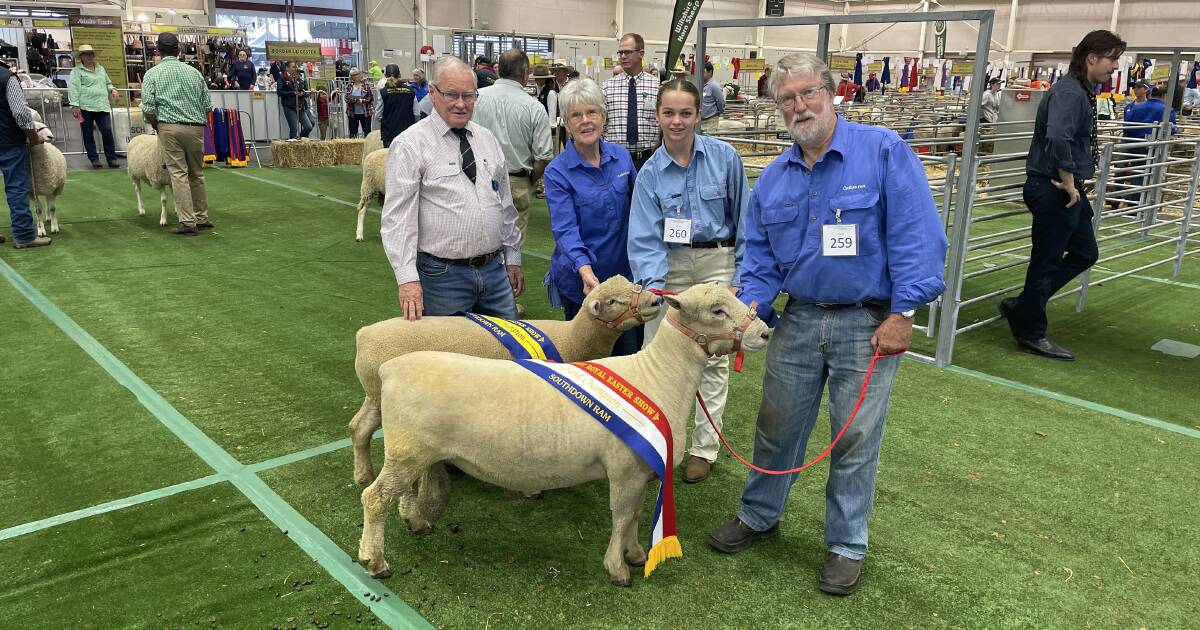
(518, 432)
(372, 143)
(145, 165)
(604, 315)
(374, 184)
(49, 168)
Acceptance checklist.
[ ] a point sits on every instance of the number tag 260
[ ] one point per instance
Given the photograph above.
(840, 239)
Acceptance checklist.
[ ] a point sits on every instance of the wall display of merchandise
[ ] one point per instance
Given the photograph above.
(210, 49)
(48, 48)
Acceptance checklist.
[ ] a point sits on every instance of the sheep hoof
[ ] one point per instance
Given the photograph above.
(358, 239)
(54, 230)
(364, 480)
(419, 527)
(636, 561)
(622, 581)
(382, 573)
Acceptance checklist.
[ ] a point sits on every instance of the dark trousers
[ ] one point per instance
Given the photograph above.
(1064, 246)
(104, 121)
(628, 343)
(357, 121)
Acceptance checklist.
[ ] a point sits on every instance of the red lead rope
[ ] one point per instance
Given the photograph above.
(862, 395)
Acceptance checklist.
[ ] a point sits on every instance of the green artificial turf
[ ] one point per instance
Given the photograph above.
(996, 508)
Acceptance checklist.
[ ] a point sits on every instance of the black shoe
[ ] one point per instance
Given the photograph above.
(736, 536)
(1, 239)
(113, 165)
(96, 164)
(185, 230)
(1046, 348)
(1007, 307)
(207, 225)
(840, 574)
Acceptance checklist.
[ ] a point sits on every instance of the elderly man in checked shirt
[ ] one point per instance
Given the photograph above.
(449, 226)
(176, 102)
(17, 134)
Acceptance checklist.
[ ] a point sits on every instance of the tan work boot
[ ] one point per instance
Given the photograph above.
(40, 241)
(697, 469)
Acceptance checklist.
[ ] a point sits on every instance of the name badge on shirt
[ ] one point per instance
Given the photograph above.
(677, 230)
(839, 240)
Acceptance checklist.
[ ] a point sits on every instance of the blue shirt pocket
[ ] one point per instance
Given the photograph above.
(784, 233)
(859, 208)
(713, 200)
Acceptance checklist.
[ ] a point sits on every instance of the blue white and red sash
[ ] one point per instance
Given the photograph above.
(522, 339)
(638, 422)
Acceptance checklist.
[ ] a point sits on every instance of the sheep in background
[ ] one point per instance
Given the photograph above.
(605, 314)
(49, 167)
(374, 183)
(517, 432)
(372, 143)
(145, 165)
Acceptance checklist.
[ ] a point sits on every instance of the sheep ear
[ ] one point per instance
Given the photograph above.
(673, 302)
(594, 308)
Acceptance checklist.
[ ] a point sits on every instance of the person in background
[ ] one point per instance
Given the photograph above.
(397, 104)
(572, 75)
(520, 126)
(762, 82)
(176, 103)
(713, 101)
(629, 98)
(291, 99)
(684, 229)
(1104, 106)
(323, 113)
(589, 187)
(341, 69)
(417, 83)
(1062, 155)
(846, 89)
(90, 93)
(374, 72)
(242, 71)
(265, 82)
(485, 74)
(449, 227)
(360, 103)
(873, 82)
(844, 223)
(989, 108)
(17, 134)
(562, 74)
(544, 87)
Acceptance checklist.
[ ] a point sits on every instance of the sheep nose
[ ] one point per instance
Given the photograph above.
(657, 300)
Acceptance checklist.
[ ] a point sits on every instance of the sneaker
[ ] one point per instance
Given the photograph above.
(40, 241)
(207, 225)
(185, 230)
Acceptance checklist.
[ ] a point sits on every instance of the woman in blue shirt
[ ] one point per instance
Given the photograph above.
(588, 189)
(684, 229)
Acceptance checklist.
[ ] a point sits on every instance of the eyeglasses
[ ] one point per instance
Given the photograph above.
(626, 53)
(467, 97)
(787, 102)
(578, 115)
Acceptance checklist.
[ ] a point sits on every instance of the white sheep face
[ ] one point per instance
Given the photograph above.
(712, 309)
(610, 300)
(43, 132)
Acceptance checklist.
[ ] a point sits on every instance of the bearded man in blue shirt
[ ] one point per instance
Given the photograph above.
(844, 222)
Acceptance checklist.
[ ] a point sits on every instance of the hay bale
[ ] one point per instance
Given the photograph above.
(304, 153)
(347, 150)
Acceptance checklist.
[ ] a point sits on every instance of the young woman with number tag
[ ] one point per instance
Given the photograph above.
(684, 229)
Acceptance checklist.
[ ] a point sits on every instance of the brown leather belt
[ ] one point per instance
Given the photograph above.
(474, 261)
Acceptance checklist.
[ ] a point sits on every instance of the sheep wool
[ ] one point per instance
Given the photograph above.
(49, 167)
(373, 143)
(146, 166)
(374, 184)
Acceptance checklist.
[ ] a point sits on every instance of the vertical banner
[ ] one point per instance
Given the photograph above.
(681, 24)
(939, 38)
(103, 33)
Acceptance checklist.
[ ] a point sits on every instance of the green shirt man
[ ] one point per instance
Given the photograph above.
(174, 92)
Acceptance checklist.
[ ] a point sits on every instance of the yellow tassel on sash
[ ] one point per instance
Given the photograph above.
(666, 548)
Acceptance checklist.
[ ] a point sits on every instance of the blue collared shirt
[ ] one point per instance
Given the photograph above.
(589, 214)
(712, 101)
(1150, 111)
(712, 191)
(878, 184)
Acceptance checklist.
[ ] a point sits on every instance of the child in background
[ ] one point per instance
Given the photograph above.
(323, 113)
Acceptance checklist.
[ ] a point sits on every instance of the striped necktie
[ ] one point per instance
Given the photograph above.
(464, 150)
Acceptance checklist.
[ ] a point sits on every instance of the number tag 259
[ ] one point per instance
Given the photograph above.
(840, 239)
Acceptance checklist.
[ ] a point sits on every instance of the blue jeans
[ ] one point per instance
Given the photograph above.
(14, 163)
(290, 116)
(104, 121)
(450, 288)
(630, 341)
(307, 121)
(810, 347)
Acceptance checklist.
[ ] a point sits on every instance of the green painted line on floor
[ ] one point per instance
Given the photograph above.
(109, 506)
(390, 609)
(292, 458)
(1078, 402)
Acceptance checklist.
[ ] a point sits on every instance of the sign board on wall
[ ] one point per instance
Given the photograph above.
(939, 38)
(1161, 72)
(962, 68)
(775, 8)
(293, 51)
(753, 65)
(838, 62)
(104, 34)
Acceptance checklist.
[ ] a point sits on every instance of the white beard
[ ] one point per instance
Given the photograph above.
(810, 135)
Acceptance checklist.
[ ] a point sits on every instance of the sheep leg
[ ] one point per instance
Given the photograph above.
(363, 201)
(402, 467)
(52, 210)
(362, 426)
(433, 492)
(635, 553)
(39, 217)
(137, 192)
(162, 202)
(625, 495)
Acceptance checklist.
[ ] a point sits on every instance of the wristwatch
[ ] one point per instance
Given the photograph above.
(908, 314)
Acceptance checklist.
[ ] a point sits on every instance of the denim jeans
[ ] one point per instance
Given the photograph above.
(307, 121)
(628, 343)
(103, 120)
(14, 163)
(450, 288)
(291, 117)
(1064, 245)
(811, 347)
